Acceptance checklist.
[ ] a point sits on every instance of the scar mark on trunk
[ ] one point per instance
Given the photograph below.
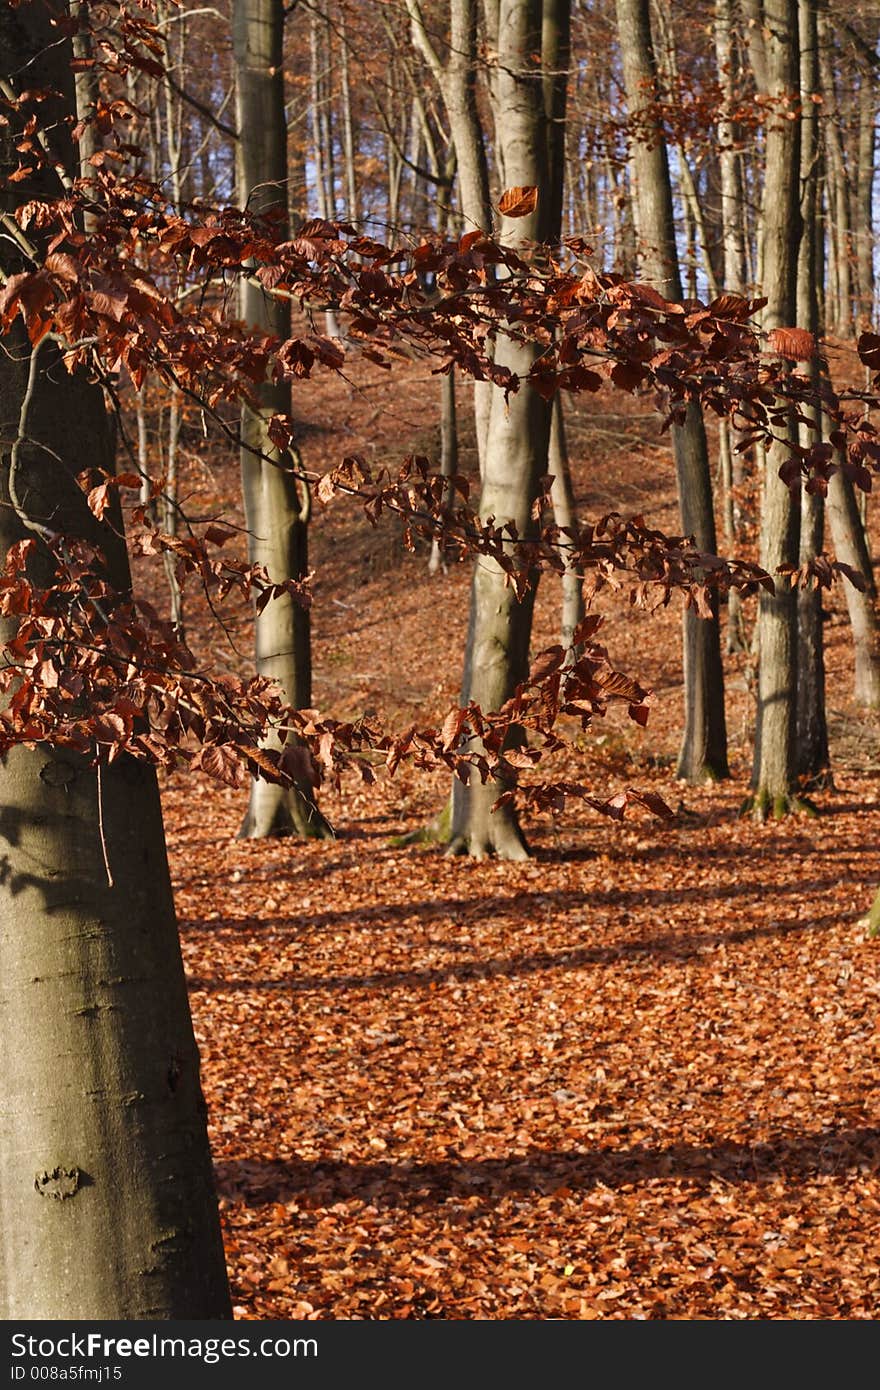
(60, 1183)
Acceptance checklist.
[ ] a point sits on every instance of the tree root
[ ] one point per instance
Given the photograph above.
(763, 805)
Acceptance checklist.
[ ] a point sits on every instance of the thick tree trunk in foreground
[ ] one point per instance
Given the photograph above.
(703, 753)
(107, 1206)
(774, 775)
(276, 502)
(517, 441)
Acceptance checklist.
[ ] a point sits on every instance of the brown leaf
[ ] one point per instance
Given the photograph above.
(519, 201)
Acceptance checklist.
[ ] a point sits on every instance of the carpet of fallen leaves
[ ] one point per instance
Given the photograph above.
(635, 1077)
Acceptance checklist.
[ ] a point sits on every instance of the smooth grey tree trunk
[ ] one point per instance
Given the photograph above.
(837, 182)
(774, 773)
(456, 78)
(448, 458)
(107, 1203)
(565, 517)
(517, 439)
(864, 217)
(556, 64)
(276, 501)
(850, 547)
(734, 279)
(703, 753)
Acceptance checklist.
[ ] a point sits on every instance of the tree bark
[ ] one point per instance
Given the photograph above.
(565, 517)
(837, 185)
(774, 774)
(448, 457)
(517, 441)
(734, 279)
(864, 219)
(276, 501)
(456, 79)
(814, 760)
(850, 547)
(107, 1204)
(703, 753)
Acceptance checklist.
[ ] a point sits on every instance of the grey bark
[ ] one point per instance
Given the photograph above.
(565, 517)
(774, 773)
(864, 220)
(107, 1205)
(556, 64)
(837, 182)
(848, 539)
(704, 746)
(448, 457)
(352, 211)
(734, 279)
(517, 441)
(276, 501)
(455, 76)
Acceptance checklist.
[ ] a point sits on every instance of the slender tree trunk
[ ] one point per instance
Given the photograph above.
(864, 221)
(169, 510)
(276, 501)
(734, 278)
(850, 547)
(704, 747)
(348, 142)
(814, 761)
(774, 775)
(565, 517)
(556, 63)
(837, 184)
(448, 457)
(518, 437)
(107, 1205)
(456, 78)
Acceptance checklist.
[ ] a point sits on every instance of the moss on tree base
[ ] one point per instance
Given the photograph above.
(763, 805)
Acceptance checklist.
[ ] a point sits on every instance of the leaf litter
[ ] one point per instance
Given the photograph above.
(635, 1077)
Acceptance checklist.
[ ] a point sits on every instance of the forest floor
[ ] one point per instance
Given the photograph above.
(634, 1077)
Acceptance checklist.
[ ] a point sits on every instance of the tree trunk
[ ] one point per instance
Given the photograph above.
(774, 775)
(556, 63)
(276, 502)
(703, 753)
(734, 279)
(864, 218)
(837, 185)
(814, 762)
(850, 547)
(448, 457)
(517, 441)
(352, 211)
(565, 517)
(456, 79)
(107, 1205)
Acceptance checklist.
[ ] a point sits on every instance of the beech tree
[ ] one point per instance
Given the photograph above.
(518, 428)
(276, 493)
(704, 746)
(774, 773)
